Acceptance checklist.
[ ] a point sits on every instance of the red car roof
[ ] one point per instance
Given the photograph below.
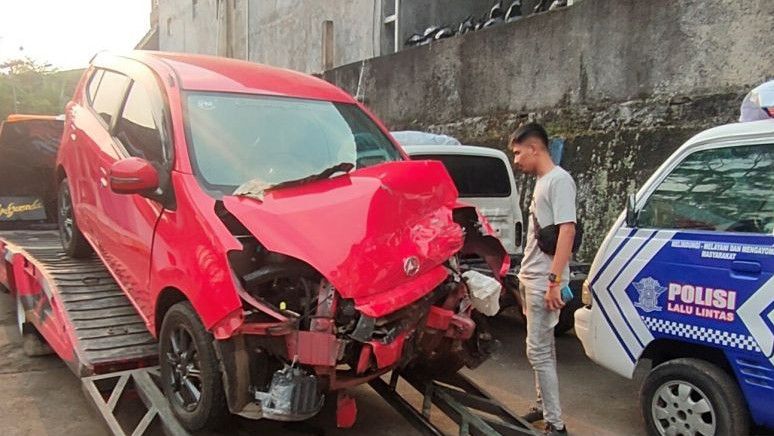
(210, 73)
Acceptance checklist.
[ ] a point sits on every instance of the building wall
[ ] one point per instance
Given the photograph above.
(288, 33)
(202, 27)
(625, 82)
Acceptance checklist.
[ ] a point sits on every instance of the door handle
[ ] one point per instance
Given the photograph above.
(746, 268)
(103, 177)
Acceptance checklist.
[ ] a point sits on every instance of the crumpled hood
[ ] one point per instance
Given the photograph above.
(365, 230)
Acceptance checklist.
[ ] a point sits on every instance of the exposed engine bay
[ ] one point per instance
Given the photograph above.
(301, 338)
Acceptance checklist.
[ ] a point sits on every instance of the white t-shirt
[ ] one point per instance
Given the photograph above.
(553, 202)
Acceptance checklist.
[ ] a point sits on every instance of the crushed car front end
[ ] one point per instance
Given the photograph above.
(370, 284)
(348, 265)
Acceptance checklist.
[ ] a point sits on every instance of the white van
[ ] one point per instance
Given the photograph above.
(484, 179)
(684, 282)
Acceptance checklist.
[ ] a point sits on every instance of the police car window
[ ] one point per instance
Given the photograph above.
(727, 189)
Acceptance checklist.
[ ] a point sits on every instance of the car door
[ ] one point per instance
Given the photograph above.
(95, 150)
(132, 218)
(698, 266)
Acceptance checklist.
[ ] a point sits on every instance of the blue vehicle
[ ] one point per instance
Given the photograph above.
(684, 282)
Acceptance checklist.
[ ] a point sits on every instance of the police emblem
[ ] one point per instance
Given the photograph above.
(649, 290)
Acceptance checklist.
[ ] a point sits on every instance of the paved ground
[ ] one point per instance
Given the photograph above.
(40, 396)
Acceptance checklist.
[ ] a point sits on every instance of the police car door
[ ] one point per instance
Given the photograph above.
(703, 256)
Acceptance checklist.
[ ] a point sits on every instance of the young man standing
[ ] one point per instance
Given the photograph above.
(542, 275)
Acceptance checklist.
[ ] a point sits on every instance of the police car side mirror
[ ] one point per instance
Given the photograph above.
(632, 214)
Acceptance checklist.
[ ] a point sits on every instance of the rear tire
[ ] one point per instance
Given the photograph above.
(74, 243)
(691, 396)
(190, 370)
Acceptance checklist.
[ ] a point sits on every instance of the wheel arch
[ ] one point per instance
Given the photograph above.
(167, 298)
(663, 350)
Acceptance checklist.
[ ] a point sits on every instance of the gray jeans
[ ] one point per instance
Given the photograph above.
(541, 352)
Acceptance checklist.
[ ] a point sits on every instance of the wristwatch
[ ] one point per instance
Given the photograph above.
(555, 279)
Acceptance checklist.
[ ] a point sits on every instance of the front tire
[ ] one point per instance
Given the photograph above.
(74, 243)
(190, 370)
(692, 397)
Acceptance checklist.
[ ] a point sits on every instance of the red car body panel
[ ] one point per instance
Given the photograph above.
(189, 256)
(205, 73)
(358, 230)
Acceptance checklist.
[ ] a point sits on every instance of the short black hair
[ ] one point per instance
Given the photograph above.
(529, 130)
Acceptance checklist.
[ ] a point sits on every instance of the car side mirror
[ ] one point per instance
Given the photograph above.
(632, 214)
(133, 176)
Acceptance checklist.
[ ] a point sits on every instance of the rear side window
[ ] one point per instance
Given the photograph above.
(475, 176)
(136, 128)
(109, 95)
(727, 189)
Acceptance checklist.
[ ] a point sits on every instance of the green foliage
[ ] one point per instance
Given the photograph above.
(31, 87)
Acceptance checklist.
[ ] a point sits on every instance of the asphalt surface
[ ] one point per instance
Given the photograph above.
(40, 396)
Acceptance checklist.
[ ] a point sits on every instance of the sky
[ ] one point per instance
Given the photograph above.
(67, 33)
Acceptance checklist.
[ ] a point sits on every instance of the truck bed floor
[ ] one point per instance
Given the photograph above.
(106, 325)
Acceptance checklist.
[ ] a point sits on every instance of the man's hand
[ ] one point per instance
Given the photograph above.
(554, 298)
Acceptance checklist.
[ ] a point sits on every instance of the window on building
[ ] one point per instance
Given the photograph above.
(110, 94)
(136, 128)
(193, 7)
(728, 189)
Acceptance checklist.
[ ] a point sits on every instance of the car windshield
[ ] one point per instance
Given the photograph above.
(236, 139)
(475, 176)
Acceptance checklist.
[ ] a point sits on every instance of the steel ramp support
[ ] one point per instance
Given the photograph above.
(106, 392)
(460, 399)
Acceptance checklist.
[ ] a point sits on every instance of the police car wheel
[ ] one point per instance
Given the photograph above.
(692, 397)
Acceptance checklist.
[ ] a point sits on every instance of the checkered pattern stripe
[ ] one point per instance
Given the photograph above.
(719, 337)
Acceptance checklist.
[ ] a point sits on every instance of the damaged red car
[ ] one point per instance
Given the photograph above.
(272, 235)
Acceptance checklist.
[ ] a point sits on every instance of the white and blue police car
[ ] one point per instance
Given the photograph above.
(684, 281)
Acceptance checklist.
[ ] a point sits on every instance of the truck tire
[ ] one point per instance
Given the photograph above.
(692, 396)
(190, 370)
(74, 243)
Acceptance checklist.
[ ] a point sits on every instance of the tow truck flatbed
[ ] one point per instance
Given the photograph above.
(84, 316)
(75, 304)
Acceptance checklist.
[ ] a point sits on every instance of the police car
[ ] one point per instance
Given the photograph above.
(684, 281)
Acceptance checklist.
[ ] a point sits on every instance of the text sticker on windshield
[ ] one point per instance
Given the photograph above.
(205, 105)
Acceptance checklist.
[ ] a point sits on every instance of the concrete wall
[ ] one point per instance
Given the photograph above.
(624, 81)
(202, 26)
(288, 33)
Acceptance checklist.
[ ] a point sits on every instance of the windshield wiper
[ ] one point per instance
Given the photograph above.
(256, 188)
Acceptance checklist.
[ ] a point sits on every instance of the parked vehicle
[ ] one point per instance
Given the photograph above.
(27, 194)
(484, 178)
(267, 230)
(684, 282)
